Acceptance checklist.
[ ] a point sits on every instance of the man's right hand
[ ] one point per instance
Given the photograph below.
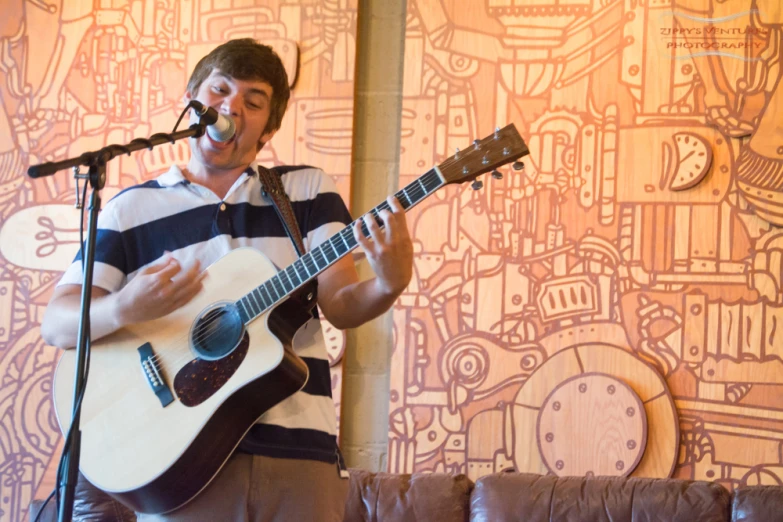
(157, 290)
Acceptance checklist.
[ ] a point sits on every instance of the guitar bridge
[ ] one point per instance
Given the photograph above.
(151, 369)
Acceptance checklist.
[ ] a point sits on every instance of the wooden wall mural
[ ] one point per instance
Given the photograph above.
(76, 75)
(616, 307)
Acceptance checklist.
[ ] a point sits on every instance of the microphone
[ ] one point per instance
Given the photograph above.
(220, 127)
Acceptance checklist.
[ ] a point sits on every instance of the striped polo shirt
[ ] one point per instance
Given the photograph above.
(173, 214)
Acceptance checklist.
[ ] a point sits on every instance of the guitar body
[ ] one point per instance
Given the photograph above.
(155, 457)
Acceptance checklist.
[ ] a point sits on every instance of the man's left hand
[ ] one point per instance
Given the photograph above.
(389, 249)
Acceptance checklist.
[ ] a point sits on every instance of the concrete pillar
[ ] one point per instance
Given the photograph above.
(380, 48)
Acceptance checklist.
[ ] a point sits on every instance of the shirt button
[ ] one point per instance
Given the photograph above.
(222, 206)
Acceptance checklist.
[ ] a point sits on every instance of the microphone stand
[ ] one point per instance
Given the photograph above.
(96, 161)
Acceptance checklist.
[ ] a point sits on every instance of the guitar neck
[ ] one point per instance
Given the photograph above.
(307, 267)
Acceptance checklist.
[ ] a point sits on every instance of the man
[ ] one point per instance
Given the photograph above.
(154, 240)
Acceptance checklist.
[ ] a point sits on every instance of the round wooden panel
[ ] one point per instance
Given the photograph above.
(592, 424)
(585, 358)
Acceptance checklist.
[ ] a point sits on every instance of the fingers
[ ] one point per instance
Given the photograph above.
(156, 266)
(164, 276)
(185, 277)
(184, 281)
(393, 220)
(396, 206)
(390, 218)
(188, 290)
(183, 287)
(170, 281)
(363, 241)
(372, 227)
(161, 288)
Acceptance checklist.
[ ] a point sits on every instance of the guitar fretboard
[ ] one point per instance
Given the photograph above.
(286, 281)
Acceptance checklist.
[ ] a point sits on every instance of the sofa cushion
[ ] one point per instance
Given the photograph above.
(758, 504)
(390, 497)
(506, 497)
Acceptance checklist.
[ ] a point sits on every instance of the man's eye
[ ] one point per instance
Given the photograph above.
(218, 89)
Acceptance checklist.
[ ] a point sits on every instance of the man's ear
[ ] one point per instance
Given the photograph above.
(186, 98)
(264, 139)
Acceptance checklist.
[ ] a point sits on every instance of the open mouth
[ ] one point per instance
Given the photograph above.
(220, 144)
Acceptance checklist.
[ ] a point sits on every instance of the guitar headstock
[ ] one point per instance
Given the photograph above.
(499, 148)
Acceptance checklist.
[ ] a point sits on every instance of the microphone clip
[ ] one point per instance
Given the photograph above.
(207, 115)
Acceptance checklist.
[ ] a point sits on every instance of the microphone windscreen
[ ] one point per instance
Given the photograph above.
(223, 129)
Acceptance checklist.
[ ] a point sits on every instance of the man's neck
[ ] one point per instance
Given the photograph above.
(218, 181)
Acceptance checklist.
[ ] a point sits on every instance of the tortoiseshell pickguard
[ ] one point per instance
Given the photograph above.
(198, 380)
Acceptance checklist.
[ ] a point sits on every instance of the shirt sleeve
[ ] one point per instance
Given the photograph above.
(109, 270)
(328, 214)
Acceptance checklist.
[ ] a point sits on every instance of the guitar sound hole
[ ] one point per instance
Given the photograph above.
(217, 332)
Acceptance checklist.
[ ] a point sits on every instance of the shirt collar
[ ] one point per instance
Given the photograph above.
(174, 175)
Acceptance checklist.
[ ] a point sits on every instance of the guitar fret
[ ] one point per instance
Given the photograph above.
(329, 256)
(249, 301)
(243, 309)
(347, 246)
(337, 253)
(277, 286)
(292, 269)
(301, 268)
(266, 290)
(305, 258)
(316, 253)
(259, 306)
(434, 182)
(405, 193)
(351, 241)
(270, 287)
(261, 301)
(291, 283)
(422, 185)
(253, 300)
(417, 191)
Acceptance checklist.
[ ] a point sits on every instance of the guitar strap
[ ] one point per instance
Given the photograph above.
(272, 187)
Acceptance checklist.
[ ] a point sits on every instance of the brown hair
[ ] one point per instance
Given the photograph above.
(246, 59)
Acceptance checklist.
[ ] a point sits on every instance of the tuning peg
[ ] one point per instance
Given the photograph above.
(497, 133)
(517, 165)
(477, 184)
(496, 174)
(476, 144)
(456, 154)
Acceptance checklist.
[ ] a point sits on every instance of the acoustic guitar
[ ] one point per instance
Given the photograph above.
(167, 401)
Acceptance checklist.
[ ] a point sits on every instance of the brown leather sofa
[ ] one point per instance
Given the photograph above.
(507, 497)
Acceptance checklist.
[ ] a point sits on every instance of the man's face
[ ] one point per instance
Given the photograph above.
(248, 104)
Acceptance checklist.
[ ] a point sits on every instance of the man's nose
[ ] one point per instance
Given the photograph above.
(230, 105)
